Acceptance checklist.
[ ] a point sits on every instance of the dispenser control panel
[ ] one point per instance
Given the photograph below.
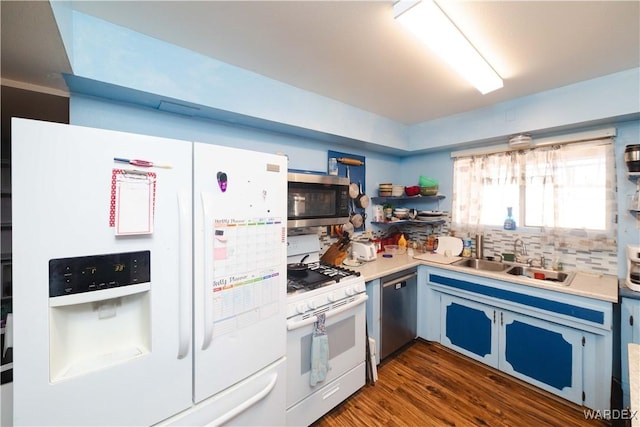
(96, 272)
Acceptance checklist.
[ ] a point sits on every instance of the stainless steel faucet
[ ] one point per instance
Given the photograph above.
(515, 248)
(521, 257)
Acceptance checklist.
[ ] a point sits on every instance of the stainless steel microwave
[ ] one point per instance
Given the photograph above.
(317, 200)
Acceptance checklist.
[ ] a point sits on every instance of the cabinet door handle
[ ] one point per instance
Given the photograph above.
(501, 318)
(631, 320)
(494, 316)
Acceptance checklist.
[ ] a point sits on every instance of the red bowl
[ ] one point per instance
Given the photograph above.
(412, 191)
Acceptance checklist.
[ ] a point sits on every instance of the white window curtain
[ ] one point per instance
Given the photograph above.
(567, 192)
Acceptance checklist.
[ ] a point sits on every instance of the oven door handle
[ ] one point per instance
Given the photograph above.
(292, 325)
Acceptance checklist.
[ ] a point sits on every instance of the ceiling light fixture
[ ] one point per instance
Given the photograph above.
(431, 25)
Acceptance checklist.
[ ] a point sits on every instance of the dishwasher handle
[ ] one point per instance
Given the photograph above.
(399, 280)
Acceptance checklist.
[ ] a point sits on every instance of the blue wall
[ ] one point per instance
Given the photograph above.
(127, 81)
(308, 154)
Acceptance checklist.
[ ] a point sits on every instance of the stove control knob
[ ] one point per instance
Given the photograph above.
(301, 308)
(331, 297)
(361, 287)
(349, 291)
(312, 305)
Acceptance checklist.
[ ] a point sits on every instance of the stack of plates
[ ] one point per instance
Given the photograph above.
(429, 215)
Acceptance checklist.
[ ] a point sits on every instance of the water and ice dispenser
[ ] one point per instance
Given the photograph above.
(99, 312)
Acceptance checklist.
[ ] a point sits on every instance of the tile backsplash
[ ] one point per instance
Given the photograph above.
(498, 242)
(501, 241)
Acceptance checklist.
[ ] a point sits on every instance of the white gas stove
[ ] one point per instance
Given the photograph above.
(321, 287)
(324, 288)
(339, 294)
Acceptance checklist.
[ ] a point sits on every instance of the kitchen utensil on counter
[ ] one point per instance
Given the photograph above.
(337, 252)
(449, 245)
(363, 250)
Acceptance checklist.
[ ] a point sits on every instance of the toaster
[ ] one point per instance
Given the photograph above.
(363, 251)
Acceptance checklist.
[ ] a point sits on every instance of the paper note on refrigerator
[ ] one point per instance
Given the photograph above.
(133, 202)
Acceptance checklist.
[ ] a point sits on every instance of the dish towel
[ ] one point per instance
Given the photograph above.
(319, 352)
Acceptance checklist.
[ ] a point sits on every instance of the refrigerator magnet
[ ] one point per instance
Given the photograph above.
(222, 181)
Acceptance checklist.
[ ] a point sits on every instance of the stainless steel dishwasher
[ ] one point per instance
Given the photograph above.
(398, 311)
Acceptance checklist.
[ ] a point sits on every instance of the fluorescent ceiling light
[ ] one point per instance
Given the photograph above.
(429, 23)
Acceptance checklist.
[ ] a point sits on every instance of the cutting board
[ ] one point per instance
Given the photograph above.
(437, 258)
(448, 243)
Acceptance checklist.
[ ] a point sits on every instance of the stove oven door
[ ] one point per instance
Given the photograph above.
(345, 328)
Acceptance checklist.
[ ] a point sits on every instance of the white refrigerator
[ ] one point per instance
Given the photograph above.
(149, 280)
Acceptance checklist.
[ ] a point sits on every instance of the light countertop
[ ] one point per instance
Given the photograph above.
(590, 285)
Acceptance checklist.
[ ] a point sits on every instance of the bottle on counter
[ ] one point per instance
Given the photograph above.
(402, 242)
(466, 246)
(430, 244)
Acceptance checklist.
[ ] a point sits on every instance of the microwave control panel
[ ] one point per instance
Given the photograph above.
(76, 275)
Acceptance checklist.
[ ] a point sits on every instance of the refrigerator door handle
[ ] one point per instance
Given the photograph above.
(208, 271)
(247, 404)
(184, 301)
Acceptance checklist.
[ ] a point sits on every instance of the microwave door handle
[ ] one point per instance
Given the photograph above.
(293, 325)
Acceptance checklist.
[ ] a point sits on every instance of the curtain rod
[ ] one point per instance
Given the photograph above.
(569, 138)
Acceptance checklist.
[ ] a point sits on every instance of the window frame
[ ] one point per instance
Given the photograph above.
(608, 234)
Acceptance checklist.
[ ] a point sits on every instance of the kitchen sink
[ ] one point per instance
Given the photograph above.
(481, 264)
(542, 274)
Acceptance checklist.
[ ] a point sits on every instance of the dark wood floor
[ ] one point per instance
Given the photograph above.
(428, 385)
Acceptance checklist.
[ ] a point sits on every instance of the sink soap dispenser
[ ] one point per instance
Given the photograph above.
(509, 222)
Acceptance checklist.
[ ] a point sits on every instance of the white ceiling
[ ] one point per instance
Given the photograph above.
(353, 51)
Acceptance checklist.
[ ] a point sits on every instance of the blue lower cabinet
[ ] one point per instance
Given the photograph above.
(468, 327)
(542, 353)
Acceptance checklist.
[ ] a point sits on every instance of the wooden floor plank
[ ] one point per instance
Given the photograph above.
(429, 385)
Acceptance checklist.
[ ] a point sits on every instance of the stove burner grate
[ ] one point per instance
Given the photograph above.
(318, 275)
